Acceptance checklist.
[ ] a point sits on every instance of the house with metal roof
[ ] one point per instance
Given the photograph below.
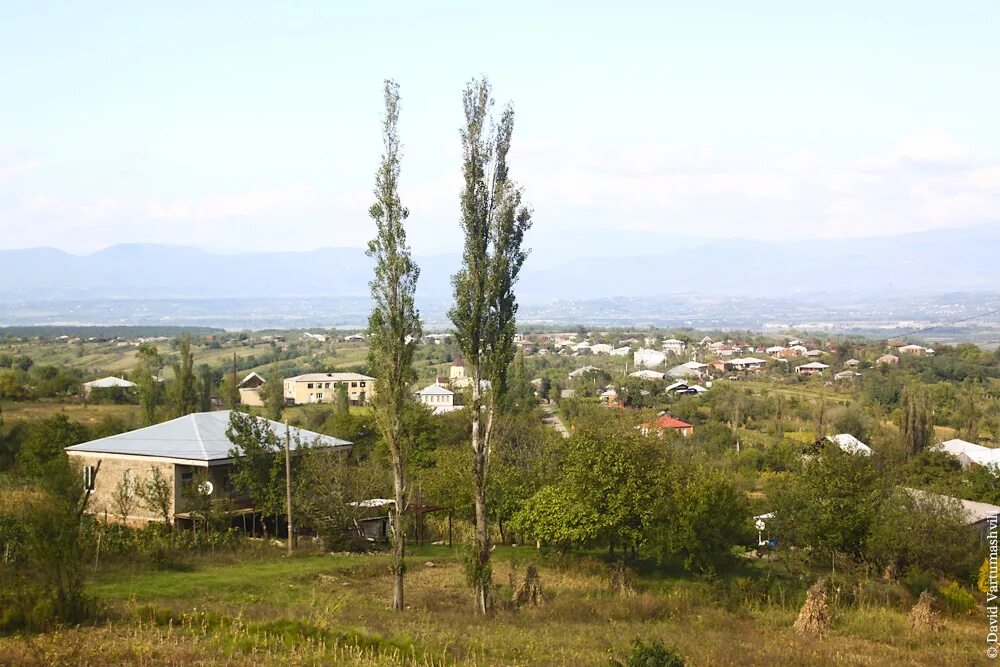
(182, 449)
(970, 454)
(107, 383)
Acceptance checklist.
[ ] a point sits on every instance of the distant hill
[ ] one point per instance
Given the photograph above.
(926, 262)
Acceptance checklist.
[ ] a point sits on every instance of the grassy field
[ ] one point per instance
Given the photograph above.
(263, 608)
(74, 409)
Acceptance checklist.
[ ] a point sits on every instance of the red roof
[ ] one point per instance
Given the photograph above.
(666, 421)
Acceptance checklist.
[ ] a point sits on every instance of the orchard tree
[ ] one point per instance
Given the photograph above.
(494, 222)
(394, 325)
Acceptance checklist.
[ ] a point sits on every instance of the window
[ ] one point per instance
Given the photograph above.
(319, 397)
(88, 477)
(309, 386)
(362, 384)
(354, 384)
(186, 477)
(327, 385)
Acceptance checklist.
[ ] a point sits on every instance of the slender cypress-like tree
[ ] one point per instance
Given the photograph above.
(494, 222)
(394, 324)
(185, 385)
(915, 421)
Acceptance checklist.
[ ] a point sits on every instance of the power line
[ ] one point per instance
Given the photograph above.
(938, 326)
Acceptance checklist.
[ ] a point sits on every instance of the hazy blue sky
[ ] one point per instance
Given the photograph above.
(256, 126)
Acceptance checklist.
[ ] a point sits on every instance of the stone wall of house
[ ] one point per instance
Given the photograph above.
(110, 473)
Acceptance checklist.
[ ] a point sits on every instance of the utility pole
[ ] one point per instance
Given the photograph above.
(288, 486)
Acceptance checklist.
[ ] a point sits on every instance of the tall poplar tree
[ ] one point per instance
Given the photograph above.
(185, 392)
(494, 222)
(394, 324)
(915, 421)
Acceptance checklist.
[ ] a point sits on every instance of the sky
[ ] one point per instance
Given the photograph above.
(255, 126)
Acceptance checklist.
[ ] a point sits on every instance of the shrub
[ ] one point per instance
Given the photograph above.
(959, 600)
(650, 654)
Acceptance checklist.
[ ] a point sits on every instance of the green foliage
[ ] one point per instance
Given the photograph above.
(831, 504)
(42, 554)
(959, 600)
(607, 491)
(701, 519)
(156, 494)
(146, 376)
(915, 421)
(926, 531)
(13, 385)
(184, 393)
(42, 450)
(206, 383)
(258, 462)
(650, 654)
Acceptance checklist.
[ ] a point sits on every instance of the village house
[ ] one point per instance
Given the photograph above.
(852, 363)
(183, 450)
(745, 364)
(978, 516)
(916, 350)
(812, 368)
(887, 359)
(689, 369)
(601, 348)
(322, 388)
(609, 397)
(646, 374)
(456, 374)
(319, 338)
(665, 423)
(674, 346)
(438, 397)
(847, 375)
(970, 454)
(646, 358)
(848, 444)
(580, 372)
(621, 352)
(683, 388)
(250, 389)
(107, 383)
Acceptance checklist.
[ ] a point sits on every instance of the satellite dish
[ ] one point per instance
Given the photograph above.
(206, 488)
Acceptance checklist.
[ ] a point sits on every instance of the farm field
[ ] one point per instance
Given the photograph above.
(266, 608)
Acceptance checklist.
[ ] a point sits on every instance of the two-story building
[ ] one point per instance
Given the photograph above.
(322, 388)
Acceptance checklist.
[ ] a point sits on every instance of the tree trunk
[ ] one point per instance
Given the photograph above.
(398, 535)
(483, 580)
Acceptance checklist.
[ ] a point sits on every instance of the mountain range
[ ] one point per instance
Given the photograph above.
(926, 262)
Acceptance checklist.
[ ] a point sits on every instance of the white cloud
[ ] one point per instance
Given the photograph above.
(922, 181)
(9, 170)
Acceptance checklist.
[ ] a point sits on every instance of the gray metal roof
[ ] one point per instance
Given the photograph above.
(197, 437)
